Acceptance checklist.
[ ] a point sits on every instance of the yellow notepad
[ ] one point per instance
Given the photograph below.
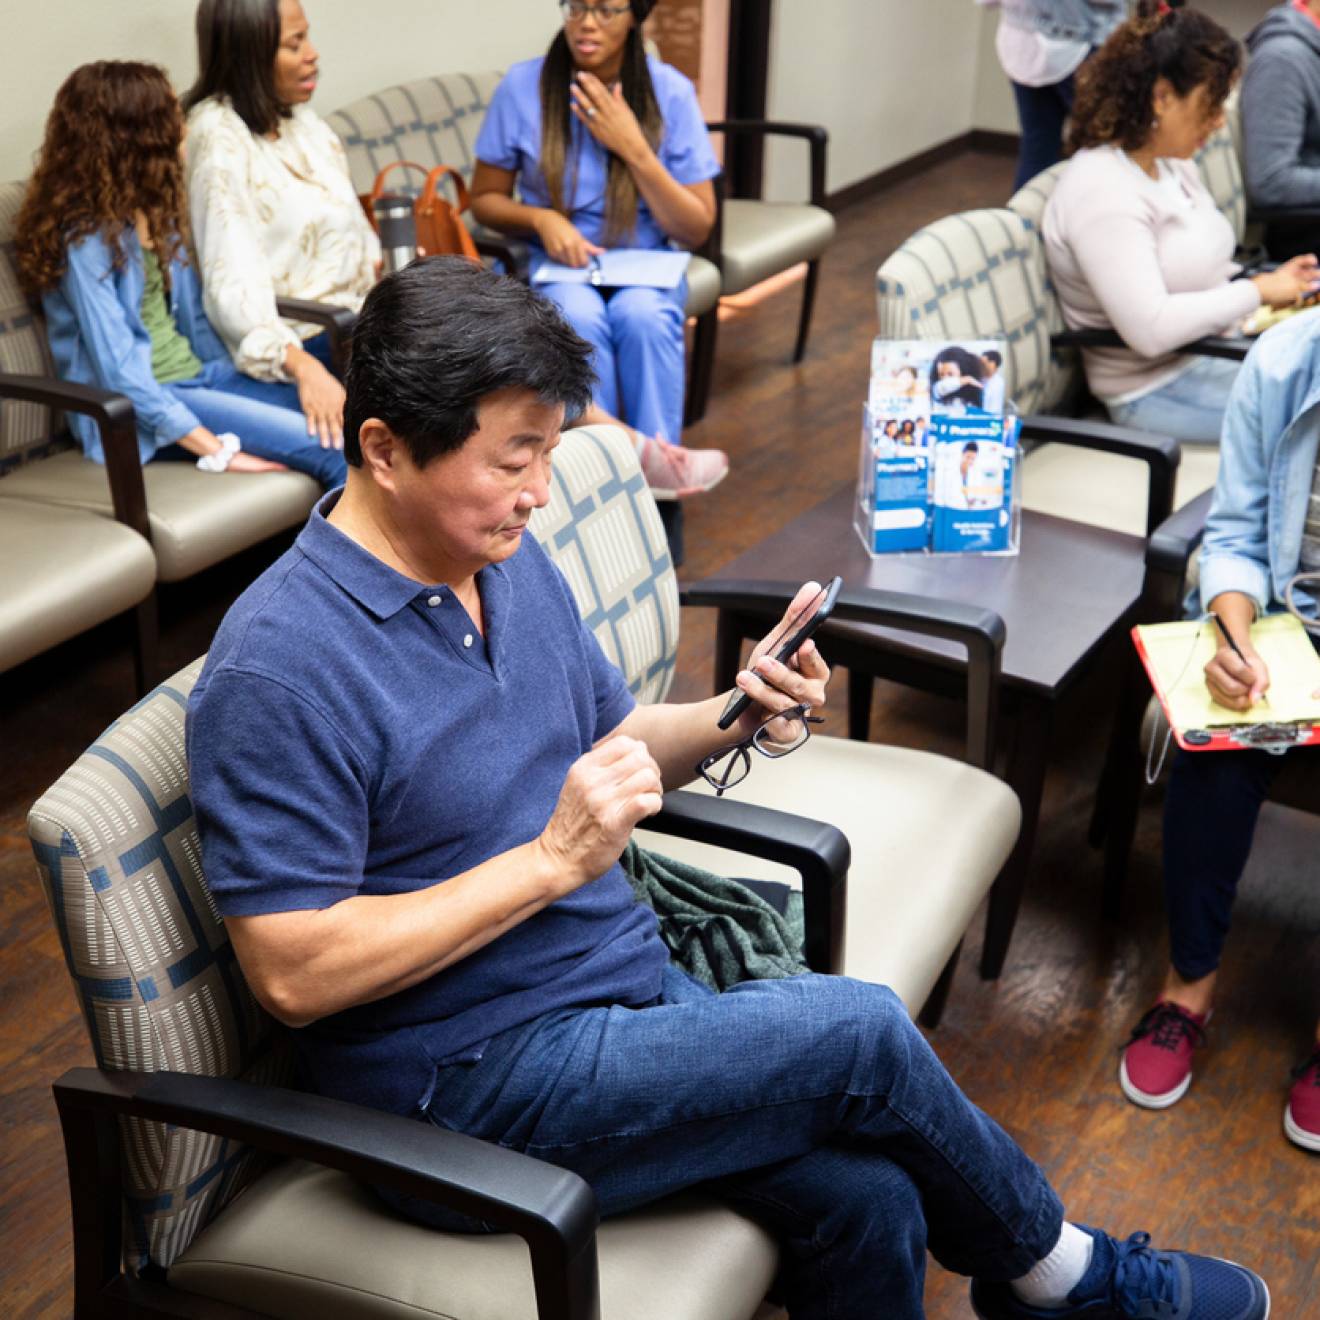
(1176, 654)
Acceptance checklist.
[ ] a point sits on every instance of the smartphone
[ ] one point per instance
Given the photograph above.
(791, 636)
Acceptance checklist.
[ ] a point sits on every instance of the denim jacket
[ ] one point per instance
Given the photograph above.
(1253, 536)
(1090, 21)
(94, 325)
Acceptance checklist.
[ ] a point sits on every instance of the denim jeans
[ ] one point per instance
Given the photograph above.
(1210, 813)
(1189, 407)
(638, 337)
(1042, 112)
(265, 416)
(812, 1104)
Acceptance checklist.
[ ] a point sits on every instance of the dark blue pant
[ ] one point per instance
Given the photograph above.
(1210, 813)
(812, 1104)
(1041, 115)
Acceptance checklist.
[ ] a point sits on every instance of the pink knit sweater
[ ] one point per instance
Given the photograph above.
(1151, 259)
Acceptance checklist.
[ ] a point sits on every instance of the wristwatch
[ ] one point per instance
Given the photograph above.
(221, 459)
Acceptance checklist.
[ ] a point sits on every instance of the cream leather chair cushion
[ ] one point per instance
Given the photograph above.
(703, 279)
(762, 238)
(63, 571)
(294, 1245)
(915, 883)
(197, 519)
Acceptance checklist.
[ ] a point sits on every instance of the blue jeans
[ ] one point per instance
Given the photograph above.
(813, 1105)
(1041, 115)
(1189, 407)
(637, 334)
(263, 414)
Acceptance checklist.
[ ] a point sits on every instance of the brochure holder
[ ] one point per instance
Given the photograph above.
(938, 471)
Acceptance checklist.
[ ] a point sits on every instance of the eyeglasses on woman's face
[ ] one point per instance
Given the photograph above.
(574, 12)
(728, 766)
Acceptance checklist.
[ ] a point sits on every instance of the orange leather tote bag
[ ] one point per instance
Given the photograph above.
(440, 227)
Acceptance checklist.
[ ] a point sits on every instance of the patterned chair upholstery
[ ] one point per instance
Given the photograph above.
(1221, 172)
(62, 571)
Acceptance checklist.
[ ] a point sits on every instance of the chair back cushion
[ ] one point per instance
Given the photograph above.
(26, 429)
(603, 530)
(117, 853)
(975, 275)
(1221, 172)
(433, 121)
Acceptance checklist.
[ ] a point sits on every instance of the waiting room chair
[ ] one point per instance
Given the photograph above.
(435, 121)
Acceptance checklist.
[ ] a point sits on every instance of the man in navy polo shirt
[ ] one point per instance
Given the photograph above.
(414, 772)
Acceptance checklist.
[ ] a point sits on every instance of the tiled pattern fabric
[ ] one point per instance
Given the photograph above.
(978, 274)
(24, 427)
(602, 529)
(117, 852)
(433, 121)
(1221, 171)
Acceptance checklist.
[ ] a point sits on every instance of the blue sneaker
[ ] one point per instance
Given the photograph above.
(1132, 1281)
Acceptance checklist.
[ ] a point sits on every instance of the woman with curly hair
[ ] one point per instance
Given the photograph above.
(608, 148)
(100, 242)
(1134, 240)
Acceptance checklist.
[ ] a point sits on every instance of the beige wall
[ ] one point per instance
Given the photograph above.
(994, 98)
(888, 78)
(363, 47)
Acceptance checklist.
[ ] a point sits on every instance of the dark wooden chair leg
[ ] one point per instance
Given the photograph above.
(808, 303)
(146, 645)
(729, 636)
(1026, 776)
(702, 367)
(861, 689)
(933, 1009)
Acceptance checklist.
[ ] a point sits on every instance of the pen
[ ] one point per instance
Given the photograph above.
(1233, 646)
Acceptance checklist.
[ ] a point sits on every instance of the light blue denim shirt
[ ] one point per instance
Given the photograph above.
(1253, 536)
(1067, 20)
(94, 325)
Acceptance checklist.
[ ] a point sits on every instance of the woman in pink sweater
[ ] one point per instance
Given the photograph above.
(1134, 240)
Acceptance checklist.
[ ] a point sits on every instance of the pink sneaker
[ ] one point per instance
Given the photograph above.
(1301, 1119)
(674, 471)
(1157, 1061)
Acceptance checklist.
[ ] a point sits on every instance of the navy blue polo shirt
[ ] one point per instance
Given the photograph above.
(353, 732)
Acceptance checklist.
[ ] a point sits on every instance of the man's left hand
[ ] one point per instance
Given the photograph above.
(773, 686)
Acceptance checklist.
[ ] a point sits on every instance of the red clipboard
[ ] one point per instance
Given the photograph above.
(1263, 736)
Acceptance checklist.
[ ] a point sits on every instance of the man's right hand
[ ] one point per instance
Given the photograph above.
(606, 794)
(562, 240)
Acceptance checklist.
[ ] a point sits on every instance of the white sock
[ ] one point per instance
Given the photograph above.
(1051, 1280)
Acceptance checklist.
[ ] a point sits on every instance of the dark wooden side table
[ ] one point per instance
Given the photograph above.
(1072, 587)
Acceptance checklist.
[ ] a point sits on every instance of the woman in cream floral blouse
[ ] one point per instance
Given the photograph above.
(273, 209)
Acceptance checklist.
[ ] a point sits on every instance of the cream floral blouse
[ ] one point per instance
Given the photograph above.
(273, 218)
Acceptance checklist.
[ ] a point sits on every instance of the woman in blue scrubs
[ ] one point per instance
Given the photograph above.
(607, 148)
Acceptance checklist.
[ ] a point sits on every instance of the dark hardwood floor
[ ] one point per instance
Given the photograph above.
(1037, 1049)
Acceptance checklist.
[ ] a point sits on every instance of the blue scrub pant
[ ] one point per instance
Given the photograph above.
(637, 334)
(811, 1104)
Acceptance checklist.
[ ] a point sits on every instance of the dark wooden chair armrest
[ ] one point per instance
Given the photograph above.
(1234, 348)
(815, 135)
(552, 1210)
(337, 322)
(114, 418)
(819, 853)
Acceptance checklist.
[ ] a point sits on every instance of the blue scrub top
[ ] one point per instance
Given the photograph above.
(510, 139)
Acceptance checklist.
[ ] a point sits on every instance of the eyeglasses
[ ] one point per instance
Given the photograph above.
(574, 12)
(728, 766)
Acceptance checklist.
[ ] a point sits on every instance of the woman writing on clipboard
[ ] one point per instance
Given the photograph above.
(608, 148)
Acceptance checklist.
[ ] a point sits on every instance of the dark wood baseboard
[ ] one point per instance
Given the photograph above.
(976, 139)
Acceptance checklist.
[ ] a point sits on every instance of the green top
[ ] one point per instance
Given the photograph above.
(172, 357)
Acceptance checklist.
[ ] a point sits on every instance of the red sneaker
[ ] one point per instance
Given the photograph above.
(1301, 1119)
(1157, 1061)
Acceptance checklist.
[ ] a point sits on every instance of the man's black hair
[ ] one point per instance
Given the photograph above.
(971, 447)
(994, 355)
(437, 337)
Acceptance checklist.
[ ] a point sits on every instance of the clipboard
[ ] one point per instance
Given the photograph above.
(1175, 655)
(655, 268)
